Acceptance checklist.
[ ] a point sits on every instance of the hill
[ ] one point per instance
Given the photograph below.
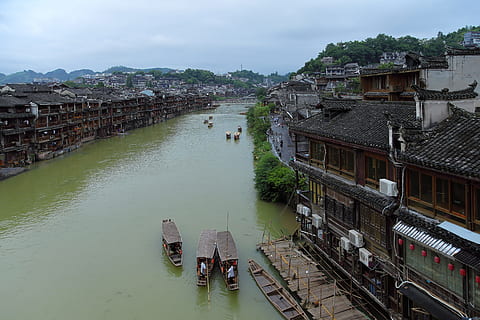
(128, 69)
(368, 51)
(28, 76)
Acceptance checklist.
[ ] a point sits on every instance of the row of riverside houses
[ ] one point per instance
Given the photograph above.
(394, 186)
(39, 122)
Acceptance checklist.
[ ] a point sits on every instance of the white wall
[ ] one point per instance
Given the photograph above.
(434, 111)
(462, 71)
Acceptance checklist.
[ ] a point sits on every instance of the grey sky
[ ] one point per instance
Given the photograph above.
(260, 35)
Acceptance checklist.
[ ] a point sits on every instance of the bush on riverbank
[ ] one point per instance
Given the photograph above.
(273, 180)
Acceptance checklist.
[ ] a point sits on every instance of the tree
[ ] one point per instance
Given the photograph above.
(261, 93)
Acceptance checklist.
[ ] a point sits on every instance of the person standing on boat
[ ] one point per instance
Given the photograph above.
(230, 273)
(203, 267)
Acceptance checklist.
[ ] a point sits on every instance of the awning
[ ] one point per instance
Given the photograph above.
(435, 307)
(423, 237)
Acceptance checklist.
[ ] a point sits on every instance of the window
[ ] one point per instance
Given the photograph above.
(449, 199)
(317, 153)
(375, 170)
(373, 225)
(341, 161)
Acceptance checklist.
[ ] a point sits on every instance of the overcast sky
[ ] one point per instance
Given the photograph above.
(261, 35)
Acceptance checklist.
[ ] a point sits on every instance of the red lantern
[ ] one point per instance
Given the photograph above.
(451, 267)
(463, 272)
(436, 259)
(424, 253)
(477, 279)
(412, 246)
(400, 242)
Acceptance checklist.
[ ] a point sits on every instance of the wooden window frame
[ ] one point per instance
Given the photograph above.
(431, 208)
(321, 149)
(374, 183)
(339, 169)
(476, 206)
(374, 225)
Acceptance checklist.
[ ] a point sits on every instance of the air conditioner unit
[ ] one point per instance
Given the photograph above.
(301, 209)
(356, 238)
(365, 257)
(317, 221)
(388, 187)
(345, 244)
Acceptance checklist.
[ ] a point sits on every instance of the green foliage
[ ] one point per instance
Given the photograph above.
(250, 75)
(276, 78)
(273, 181)
(72, 84)
(369, 50)
(389, 65)
(260, 93)
(100, 85)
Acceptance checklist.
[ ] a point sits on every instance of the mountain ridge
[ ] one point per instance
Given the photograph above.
(28, 76)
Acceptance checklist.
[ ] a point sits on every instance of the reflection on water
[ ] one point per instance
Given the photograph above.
(80, 236)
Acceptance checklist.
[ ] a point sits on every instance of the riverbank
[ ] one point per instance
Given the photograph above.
(87, 228)
(6, 173)
(43, 122)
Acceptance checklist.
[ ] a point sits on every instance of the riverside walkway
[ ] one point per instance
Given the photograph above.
(319, 295)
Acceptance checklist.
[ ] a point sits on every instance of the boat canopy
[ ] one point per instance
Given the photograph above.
(207, 244)
(226, 246)
(170, 232)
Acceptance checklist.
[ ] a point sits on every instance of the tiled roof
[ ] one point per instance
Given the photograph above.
(463, 51)
(373, 198)
(452, 146)
(357, 122)
(377, 71)
(445, 94)
(10, 101)
(415, 60)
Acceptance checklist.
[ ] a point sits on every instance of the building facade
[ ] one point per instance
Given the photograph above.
(393, 201)
(41, 122)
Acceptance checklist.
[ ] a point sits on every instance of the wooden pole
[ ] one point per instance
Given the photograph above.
(320, 302)
(298, 280)
(308, 283)
(289, 264)
(208, 284)
(275, 251)
(334, 293)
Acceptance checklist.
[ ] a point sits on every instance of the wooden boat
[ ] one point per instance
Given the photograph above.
(228, 258)
(207, 245)
(210, 124)
(228, 134)
(205, 121)
(236, 135)
(172, 242)
(239, 129)
(210, 117)
(278, 296)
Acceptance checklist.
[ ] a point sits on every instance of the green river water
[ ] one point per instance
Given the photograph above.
(80, 235)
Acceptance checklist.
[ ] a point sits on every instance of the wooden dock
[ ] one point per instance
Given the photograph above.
(319, 295)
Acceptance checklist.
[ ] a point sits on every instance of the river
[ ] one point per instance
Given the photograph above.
(80, 235)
